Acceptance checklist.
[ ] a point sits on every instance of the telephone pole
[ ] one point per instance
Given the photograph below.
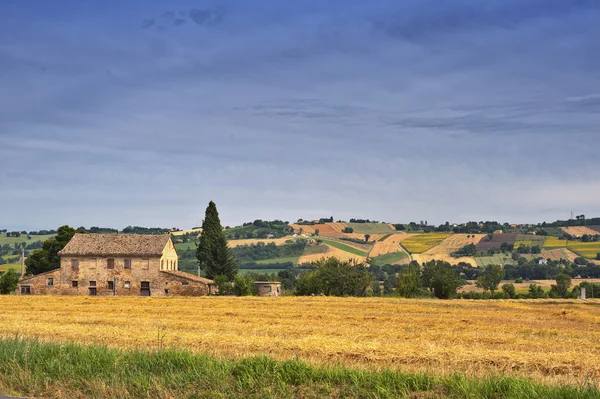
(22, 262)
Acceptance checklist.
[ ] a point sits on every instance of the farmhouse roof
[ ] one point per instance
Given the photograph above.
(116, 245)
(188, 276)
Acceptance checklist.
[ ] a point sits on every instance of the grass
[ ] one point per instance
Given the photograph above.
(23, 238)
(65, 371)
(371, 228)
(496, 259)
(421, 243)
(260, 271)
(388, 259)
(527, 339)
(554, 243)
(586, 249)
(293, 259)
(344, 247)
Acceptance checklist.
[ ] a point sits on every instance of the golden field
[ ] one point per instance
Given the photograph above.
(422, 242)
(551, 341)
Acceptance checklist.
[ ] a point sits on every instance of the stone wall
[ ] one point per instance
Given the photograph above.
(267, 288)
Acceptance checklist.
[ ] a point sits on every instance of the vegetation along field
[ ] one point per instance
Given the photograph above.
(422, 242)
(548, 341)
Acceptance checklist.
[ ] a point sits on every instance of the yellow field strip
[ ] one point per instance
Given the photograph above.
(550, 341)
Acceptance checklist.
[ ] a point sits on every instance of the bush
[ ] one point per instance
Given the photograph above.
(223, 284)
(243, 285)
(508, 290)
(518, 280)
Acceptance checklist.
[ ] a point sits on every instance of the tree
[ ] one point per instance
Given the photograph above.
(563, 282)
(509, 290)
(46, 258)
(8, 282)
(598, 256)
(441, 280)
(331, 276)
(243, 285)
(367, 236)
(317, 232)
(214, 256)
(491, 277)
(409, 281)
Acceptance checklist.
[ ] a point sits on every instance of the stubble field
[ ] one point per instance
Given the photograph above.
(548, 341)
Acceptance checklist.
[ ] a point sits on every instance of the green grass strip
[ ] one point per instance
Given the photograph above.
(345, 247)
(31, 368)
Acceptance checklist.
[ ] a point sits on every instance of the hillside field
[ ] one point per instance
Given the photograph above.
(548, 341)
(578, 231)
(422, 242)
(23, 238)
(371, 228)
(393, 258)
(586, 249)
(444, 250)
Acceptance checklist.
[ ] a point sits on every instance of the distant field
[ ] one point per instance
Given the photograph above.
(251, 241)
(554, 243)
(11, 266)
(559, 253)
(422, 242)
(553, 231)
(23, 238)
(371, 228)
(497, 259)
(293, 259)
(595, 228)
(578, 231)
(346, 248)
(452, 244)
(496, 241)
(185, 246)
(260, 271)
(586, 249)
(182, 232)
(394, 258)
(325, 250)
(523, 243)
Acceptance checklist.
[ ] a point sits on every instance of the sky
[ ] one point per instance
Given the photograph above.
(117, 113)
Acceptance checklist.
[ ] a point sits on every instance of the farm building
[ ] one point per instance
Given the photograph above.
(117, 264)
(267, 288)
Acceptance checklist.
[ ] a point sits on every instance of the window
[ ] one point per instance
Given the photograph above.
(111, 285)
(75, 263)
(50, 282)
(25, 290)
(74, 284)
(110, 263)
(92, 283)
(92, 291)
(268, 288)
(127, 263)
(184, 283)
(127, 284)
(166, 292)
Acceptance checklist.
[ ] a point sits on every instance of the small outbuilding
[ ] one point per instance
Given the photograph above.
(267, 288)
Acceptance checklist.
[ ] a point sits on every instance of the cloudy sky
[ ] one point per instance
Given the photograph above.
(117, 113)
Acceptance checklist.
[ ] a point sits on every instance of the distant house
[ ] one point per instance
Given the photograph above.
(117, 264)
(542, 261)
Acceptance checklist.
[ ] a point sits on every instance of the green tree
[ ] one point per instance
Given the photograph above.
(46, 258)
(441, 280)
(563, 282)
(409, 281)
(491, 277)
(331, 276)
(509, 290)
(367, 236)
(243, 285)
(8, 282)
(213, 253)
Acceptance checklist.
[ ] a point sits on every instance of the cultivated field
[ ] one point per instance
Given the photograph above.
(549, 341)
(496, 259)
(560, 253)
(182, 232)
(554, 243)
(305, 229)
(394, 258)
(496, 241)
(250, 241)
(578, 231)
(389, 244)
(329, 250)
(586, 249)
(371, 228)
(422, 242)
(451, 244)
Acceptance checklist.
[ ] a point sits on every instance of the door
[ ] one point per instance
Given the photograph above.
(145, 288)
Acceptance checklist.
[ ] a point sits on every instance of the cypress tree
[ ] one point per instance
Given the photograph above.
(213, 254)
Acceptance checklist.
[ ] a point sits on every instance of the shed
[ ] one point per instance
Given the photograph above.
(267, 288)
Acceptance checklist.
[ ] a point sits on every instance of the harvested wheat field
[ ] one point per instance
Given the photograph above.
(389, 245)
(330, 252)
(578, 231)
(451, 244)
(557, 254)
(550, 341)
(305, 228)
(250, 241)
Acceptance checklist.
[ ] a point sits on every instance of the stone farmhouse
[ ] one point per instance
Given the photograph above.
(117, 265)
